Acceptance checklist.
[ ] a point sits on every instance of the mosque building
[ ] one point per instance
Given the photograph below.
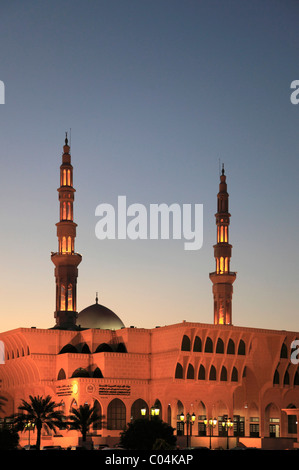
(218, 382)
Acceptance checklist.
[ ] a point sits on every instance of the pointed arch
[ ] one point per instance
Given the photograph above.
(212, 374)
(283, 351)
(97, 373)
(234, 376)
(178, 371)
(230, 347)
(80, 372)
(276, 378)
(186, 343)
(223, 374)
(61, 375)
(104, 347)
(190, 372)
(201, 373)
(197, 344)
(220, 346)
(136, 408)
(241, 348)
(208, 345)
(116, 415)
(68, 348)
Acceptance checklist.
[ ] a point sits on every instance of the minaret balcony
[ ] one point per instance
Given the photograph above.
(223, 277)
(66, 258)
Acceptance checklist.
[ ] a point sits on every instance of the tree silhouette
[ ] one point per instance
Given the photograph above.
(144, 434)
(39, 413)
(82, 418)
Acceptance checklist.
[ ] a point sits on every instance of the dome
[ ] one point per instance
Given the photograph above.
(98, 316)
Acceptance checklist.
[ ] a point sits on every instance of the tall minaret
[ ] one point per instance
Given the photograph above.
(222, 278)
(66, 260)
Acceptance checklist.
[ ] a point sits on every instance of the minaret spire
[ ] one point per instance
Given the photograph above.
(222, 278)
(66, 261)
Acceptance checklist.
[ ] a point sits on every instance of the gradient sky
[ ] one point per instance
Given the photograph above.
(155, 93)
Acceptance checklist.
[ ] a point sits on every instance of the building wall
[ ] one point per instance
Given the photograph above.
(242, 383)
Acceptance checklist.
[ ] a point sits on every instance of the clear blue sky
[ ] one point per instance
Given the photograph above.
(155, 92)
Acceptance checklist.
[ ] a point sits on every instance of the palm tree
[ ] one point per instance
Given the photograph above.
(82, 418)
(39, 413)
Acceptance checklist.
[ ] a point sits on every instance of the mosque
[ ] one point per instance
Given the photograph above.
(216, 384)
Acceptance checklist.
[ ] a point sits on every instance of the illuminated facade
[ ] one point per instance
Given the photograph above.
(213, 370)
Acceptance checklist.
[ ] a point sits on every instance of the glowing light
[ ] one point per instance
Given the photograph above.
(75, 388)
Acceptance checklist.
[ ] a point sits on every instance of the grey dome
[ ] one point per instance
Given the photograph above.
(99, 316)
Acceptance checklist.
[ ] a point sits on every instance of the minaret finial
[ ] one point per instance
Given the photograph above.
(223, 168)
(66, 139)
(97, 297)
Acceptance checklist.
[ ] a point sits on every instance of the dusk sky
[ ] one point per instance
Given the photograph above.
(156, 93)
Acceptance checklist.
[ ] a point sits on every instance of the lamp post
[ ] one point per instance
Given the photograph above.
(227, 424)
(189, 421)
(211, 423)
(28, 426)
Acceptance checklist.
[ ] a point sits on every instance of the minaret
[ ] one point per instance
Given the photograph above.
(66, 260)
(222, 278)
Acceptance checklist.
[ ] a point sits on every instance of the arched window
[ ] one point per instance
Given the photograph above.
(68, 348)
(69, 245)
(223, 375)
(98, 408)
(296, 378)
(136, 408)
(190, 372)
(63, 245)
(64, 207)
(61, 375)
(116, 415)
(80, 372)
(121, 348)
(284, 351)
(276, 378)
(286, 379)
(69, 177)
(241, 348)
(201, 373)
(234, 377)
(230, 347)
(197, 344)
(186, 344)
(69, 211)
(212, 375)
(70, 297)
(97, 374)
(220, 346)
(104, 347)
(63, 179)
(179, 371)
(85, 349)
(209, 345)
(62, 297)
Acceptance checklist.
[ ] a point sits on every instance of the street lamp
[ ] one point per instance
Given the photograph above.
(211, 423)
(28, 426)
(189, 421)
(227, 424)
(155, 411)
